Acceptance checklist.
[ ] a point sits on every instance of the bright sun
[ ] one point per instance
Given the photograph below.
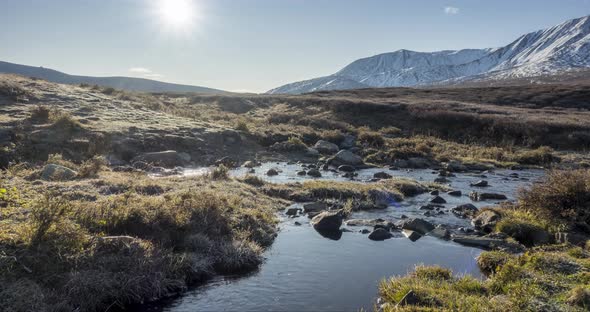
(177, 13)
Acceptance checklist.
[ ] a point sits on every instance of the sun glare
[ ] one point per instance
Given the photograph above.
(177, 13)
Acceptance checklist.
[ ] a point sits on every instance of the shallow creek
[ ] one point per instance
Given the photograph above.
(305, 271)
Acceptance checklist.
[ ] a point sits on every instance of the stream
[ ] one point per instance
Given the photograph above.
(305, 271)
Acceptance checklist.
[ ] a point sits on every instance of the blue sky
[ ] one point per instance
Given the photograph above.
(255, 45)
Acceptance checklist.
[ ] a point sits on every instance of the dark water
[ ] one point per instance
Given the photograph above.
(307, 272)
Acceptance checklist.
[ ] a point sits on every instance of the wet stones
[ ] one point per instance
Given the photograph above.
(346, 168)
(412, 235)
(167, 159)
(292, 211)
(440, 232)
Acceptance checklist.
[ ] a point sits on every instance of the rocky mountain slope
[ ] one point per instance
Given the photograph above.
(550, 51)
(122, 83)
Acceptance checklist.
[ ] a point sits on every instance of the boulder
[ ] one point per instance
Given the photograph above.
(418, 163)
(418, 225)
(167, 159)
(272, 172)
(412, 235)
(314, 173)
(455, 193)
(380, 234)
(475, 196)
(455, 166)
(382, 175)
(327, 221)
(383, 199)
(465, 211)
(250, 164)
(440, 232)
(314, 207)
(438, 200)
(346, 157)
(326, 147)
(486, 220)
(480, 183)
(434, 193)
(292, 211)
(301, 173)
(346, 168)
(53, 172)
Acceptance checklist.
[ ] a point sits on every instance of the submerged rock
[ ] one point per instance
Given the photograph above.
(380, 234)
(440, 232)
(53, 172)
(327, 221)
(489, 243)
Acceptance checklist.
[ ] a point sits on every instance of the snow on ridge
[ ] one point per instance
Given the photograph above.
(559, 48)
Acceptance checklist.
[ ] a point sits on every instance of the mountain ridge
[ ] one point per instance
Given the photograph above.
(552, 50)
(117, 82)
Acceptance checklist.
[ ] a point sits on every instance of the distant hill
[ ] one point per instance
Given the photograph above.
(123, 83)
(551, 51)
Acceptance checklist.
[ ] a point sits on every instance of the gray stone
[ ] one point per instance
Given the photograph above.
(167, 159)
(346, 168)
(380, 234)
(314, 207)
(328, 221)
(346, 157)
(314, 173)
(486, 221)
(480, 183)
(465, 211)
(455, 193)
(326, 147)
(419, 225)
(53, 172)
(292, 211)
(272, 172)
(475, 196)
(438, 200)
(412, 235)
(382, 175)
(440, 232)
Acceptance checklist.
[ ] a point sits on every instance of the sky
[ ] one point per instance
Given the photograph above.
(254, 45)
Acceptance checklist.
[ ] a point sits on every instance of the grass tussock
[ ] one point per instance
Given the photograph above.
(91, 245)
(538, 280)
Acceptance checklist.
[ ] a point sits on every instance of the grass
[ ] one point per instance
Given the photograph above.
(546, 277)
(94, 244)
(539, 279)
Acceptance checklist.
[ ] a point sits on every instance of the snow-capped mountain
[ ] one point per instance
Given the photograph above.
(557, 49)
